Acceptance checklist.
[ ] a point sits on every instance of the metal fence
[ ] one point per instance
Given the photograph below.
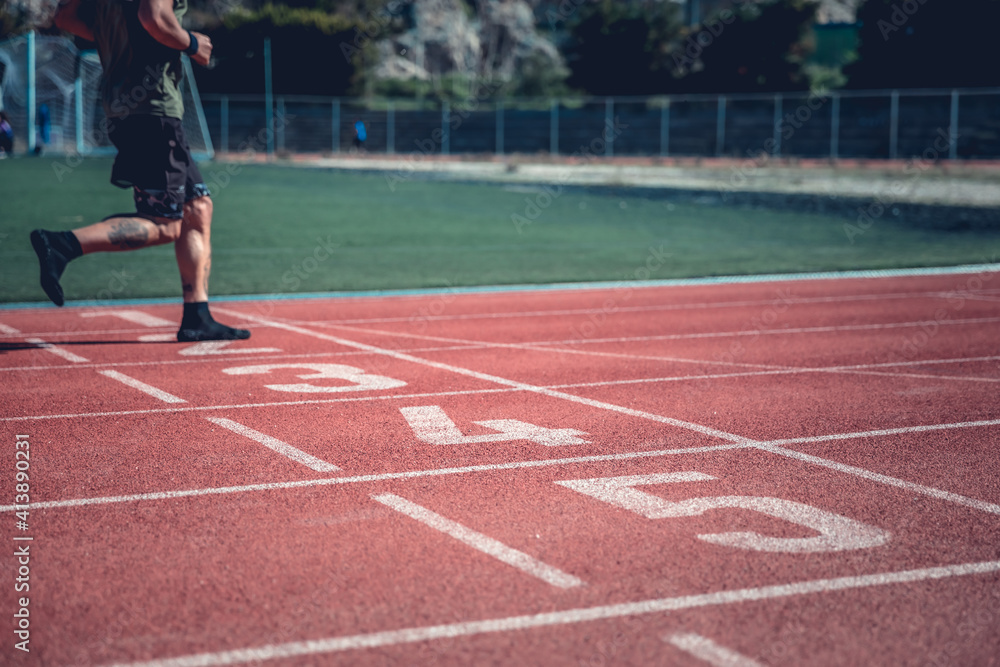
(890, 124)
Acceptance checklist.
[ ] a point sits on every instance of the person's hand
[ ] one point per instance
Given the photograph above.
(204, 54)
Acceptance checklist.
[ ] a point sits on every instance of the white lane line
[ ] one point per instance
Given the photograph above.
(771, 332)
(362, 479)
(172, 337)
(883, 479)
(269, 404)
(566, 617)
(480, 542)
(778, 299)
(768, 369)
(9, 330)
(924, 428)
(133, 316)
(708, 651)
(698, 428)
(142, 386)
(58, 351)
(77, 334)
(276, 445)
(539, 463)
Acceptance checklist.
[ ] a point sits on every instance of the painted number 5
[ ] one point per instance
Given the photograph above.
(836, 532)
(360, 381)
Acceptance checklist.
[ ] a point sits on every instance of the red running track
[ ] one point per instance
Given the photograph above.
(770, 473)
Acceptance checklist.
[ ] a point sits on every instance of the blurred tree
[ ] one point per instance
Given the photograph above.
(927, 44)
(622, 48)
(312, 51)
(754, 48)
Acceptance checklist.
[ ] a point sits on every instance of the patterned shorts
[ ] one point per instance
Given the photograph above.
(155, 161)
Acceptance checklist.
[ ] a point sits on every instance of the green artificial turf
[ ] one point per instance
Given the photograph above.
(274, 227)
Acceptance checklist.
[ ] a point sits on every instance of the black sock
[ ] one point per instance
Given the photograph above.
(197, 324)
(67, 244)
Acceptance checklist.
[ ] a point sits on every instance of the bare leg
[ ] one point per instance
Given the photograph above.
(126, 232)
(194, 260)
(194, 249)
(118, 232)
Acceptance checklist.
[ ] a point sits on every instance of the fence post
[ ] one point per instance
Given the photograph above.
(31, 91)
(893, 124)
(835, 127)
(78, 108)
(953, 127)
(390, 128)
(268, 99)
(720, 127)
(665, 129)
(335, 124)
(445, 128)
(224, 122)
(279, 129)
(553, 127)
(500, 128)
(779, 102)
(609, 127)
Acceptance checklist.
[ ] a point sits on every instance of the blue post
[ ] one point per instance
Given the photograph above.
(500, 128)
(78, 111)
(224, 113)
(268, 98)
(31, 91)
(335, 125)
(445, 128)
(390, 128)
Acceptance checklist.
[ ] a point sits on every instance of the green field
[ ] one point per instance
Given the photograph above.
(272, 222)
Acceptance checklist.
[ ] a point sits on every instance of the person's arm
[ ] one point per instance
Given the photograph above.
(68, 18)
(158, 19)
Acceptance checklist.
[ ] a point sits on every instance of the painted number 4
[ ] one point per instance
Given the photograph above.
(432, 425)
(836, 532)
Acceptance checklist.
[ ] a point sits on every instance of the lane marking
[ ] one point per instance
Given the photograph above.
(58, 351)
(382, 477)
(566, 617)
(537, 463)
(142, 386)
(770, 369)
(133, 316)
(708, 651)
(695, 305)
(221, 347)
(276, 445)
(267, 404)
(8, 330)
(166, 362)
(480, 542)
(705, 430)
(772, 332)
(431, 424)
(980, 505)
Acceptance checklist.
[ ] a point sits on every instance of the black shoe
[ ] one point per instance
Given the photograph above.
(213, 331)
(51, 262)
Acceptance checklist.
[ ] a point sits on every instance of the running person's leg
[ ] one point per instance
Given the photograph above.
(172, 205)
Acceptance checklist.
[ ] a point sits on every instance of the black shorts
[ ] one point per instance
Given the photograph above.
(154, 159)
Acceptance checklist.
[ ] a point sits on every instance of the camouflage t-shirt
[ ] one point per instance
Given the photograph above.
(141, 76)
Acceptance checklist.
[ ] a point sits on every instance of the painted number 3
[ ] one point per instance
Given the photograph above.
(836, 532)
(359, 380)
